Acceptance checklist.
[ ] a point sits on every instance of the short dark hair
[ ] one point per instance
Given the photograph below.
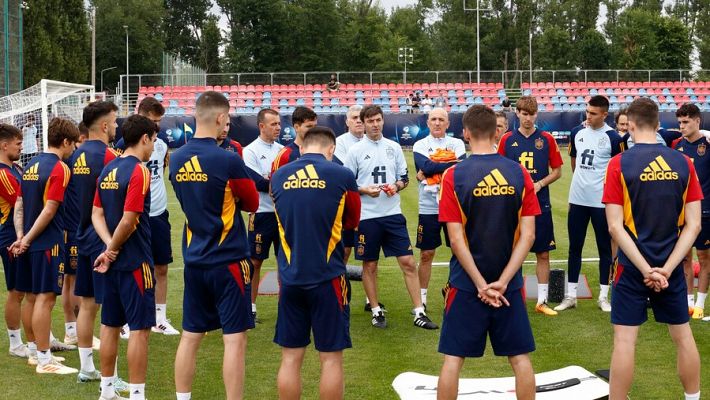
(688, 110)
(9, 132)
(302, 114)
(261, 116)
(82, 129)
(644, 113)
(95, 110)
(60, 129)
(211, 100)
(135, 126)
(621, 112)
(480, 121)
(319, 135)
(151, 105)
(599, 101)
(370, 111)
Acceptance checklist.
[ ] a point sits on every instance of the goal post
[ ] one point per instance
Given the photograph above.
(33, 108)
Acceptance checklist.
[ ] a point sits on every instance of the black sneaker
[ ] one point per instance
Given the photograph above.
(369, 309)
(379, 321)
(256, 320)
(423, 321)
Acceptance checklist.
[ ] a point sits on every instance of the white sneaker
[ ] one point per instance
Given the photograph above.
(706, 319)
(125, 332)
(84, 376)
(165, 328)
(604, 304)
(21, 351)
(71, 340)
(56, 345)
(120, 386)
(96, 344)
(32, 359)
(115, 397)
(567, 303)
(55, 367)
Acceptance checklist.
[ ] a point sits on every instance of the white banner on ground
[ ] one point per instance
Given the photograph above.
(572, 382)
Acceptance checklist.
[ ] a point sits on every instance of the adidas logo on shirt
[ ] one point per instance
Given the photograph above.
(191, 172)
(31, 173)
(304, 178)
(515, 144)
(658, 170)
(109, 182)
(263, 157)
(493, 184)
(80, 167)
(367, 157)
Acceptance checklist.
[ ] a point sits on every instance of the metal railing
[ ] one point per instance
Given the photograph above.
(511, 79)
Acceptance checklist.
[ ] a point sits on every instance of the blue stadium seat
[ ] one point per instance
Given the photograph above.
(670, 99)
(501, 93)
(158, 97)
(527, 92)
(318, 109)
(560, 92)
(226, 95)
(629, 99)
(469, 101)
(334, 101)
(266, 103)
(173, 103)
(654, 98)
(359, 94)
(283, 102)
(664, 107)
(452, 93)
(317, 101)
(689, 91)
(642, 91)
(402, 101)
(541, 107)
(666, 91)
(478, 100)
(377, 101)
(360, 101)
(317, 94)
(266, 95)
(384, 93)
(693, 99)
(579, 100)
(555, 99)
(250, 103)
(497, 108)
(593, 92)
(566, 107)
(468, 93)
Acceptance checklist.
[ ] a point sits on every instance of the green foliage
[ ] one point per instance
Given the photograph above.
(184, 24)
(593, 51)
(146, 40)
(56, 41)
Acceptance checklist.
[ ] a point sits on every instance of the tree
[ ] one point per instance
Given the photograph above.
(56, 41)
(593, 51)
(210, 41)
(553, 49)
(145, 38)
(183, 23)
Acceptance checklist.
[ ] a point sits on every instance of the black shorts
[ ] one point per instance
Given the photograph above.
(429, 232)
(160, 239)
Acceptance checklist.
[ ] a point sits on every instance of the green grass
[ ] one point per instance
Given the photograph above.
(581, 337)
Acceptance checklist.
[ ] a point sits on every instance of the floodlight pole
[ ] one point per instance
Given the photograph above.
(405, 55)
(127, 73)
(478, 10)
(93, 47)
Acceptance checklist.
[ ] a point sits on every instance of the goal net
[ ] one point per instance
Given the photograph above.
(31, 110)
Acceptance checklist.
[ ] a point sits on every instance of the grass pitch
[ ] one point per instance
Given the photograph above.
(578, 337)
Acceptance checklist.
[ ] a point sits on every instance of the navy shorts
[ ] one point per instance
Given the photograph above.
(544, 234)
(160, 239)
(349, 237)
(386, 233)
(17, 275)
(129, 298)
(218, 297)
(429, 232)
(702, 242)
(323, 307)
(468, 321)
(89, 283)
(47, 270)
(263, 232)
(629, 296)
(71, 254)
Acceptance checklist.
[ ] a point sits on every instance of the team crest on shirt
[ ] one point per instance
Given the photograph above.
(390, 153)
(258, 238)
(539, 143)
(360, 250)
(701, 149)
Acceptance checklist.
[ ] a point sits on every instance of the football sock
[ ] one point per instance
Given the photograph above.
(694, 396)
(107, 389)
(424, 292)
(603, 291)
(572, 289)
(137, 391)
(86, 359)
(160, 313)
(44, 357)
(700, 302)
(542, 289)
(70, 329)
(15, 338)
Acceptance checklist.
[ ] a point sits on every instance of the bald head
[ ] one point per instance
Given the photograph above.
(438, 122)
